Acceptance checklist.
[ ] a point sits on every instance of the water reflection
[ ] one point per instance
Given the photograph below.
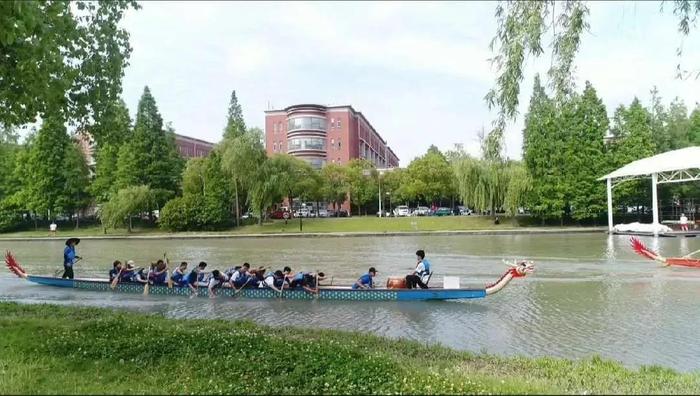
(590, 294)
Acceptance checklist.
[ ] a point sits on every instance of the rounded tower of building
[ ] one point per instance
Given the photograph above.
(307, 128)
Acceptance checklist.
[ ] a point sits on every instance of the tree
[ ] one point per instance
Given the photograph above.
(151, 157)
(75, 195)
(430, 177)
(542, 155)
(110, 134)
(265, 189)
(587, 160)
(60, 59)
(335, 185)
(241, 159)
(659, 121)
(293, 175)
(46, 176)
(694, 132)
(235, 125)
(521, 28)
(362, 182)
(519, 186)
(678, 125)
(632, 130)
(124, 205)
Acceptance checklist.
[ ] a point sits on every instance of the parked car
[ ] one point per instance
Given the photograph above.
(443, 212)
(422, 211)
(402, 211)
(281, 214)
(462, 211)
(323, 212)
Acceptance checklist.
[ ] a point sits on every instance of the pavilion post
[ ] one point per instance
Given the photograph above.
(610, 207)
(655, 203)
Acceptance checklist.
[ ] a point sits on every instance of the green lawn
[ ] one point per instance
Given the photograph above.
(66, 350)
(309, 225)
(376, 224)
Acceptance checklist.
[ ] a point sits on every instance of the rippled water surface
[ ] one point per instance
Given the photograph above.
(589, 295)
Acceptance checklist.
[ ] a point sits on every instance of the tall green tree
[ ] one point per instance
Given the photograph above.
(335, 185)
(151, 157)
(110, 135)
(60, 59)
(542, 155)
(241, 159)
(235, 125)
(633, 140)
(46, 178)
(76, 196)
(362, 182)
(587, 160)
(694, 132)
(523, 27)
(659, 123)
(678, 125)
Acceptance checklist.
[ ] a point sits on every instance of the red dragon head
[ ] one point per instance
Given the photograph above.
(13, 265)
(521, 268)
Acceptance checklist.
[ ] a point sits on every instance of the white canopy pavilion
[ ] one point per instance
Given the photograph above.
(675, 166)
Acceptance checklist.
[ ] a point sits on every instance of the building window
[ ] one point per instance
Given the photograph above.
(306, 123)
(274, 146)
(338, 160)
(338, 126)
(332, 142)
(274, 129)
(306, 144)
(338, 144)
(332, 123)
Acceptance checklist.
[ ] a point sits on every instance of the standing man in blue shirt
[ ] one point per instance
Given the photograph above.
(69, 257)
(419, 277)
(366, 281)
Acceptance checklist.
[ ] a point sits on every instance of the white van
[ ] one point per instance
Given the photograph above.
(401, 211)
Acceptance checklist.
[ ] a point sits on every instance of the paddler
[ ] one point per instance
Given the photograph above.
(366, 281)
(216, 281)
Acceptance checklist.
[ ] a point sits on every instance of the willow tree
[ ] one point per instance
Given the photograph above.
(523, 27)
(518, 188)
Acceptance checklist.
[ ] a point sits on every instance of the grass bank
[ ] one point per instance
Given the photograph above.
(52, 349)
(309, 226)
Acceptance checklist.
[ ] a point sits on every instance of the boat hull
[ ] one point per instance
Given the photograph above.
(325, 293)
(685, 262)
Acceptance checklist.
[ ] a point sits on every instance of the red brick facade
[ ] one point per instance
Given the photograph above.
(324, 135)
(189, 147)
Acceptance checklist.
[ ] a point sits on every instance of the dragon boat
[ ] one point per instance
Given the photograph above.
(518, 269)
(644, 251)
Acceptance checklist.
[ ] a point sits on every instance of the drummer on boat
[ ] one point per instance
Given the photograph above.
(419, 277)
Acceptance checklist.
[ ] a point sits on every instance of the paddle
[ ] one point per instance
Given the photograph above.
(148, 281)
(170, 277)
(690, 254)
(58, 271)
(116, 279)
(236, 291)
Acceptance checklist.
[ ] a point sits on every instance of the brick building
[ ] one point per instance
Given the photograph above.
(326, 134)
(189, 147)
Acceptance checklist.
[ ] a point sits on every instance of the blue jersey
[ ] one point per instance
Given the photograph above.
(160, 279)
(113, 273)
(192, 277)
(365, 280)
(69, 256)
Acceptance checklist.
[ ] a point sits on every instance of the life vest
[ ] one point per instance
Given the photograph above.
(275, 281)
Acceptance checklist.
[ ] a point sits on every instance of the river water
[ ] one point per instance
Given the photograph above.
(590, 294)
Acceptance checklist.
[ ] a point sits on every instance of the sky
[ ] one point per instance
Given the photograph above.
(418, 71)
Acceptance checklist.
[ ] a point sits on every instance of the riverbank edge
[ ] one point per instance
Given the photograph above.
(513, 231)
(44, 354)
